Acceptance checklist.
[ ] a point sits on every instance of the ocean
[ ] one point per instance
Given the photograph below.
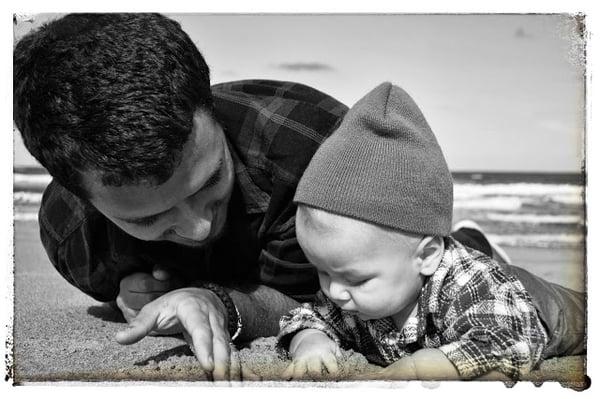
(514, 209)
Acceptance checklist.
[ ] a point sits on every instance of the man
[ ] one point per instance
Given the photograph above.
(170, 197)
(154, 173)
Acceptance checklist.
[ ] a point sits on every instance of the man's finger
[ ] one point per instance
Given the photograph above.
(144, 283)
(160, 273)
(139, 327)
(235, 367)
(137, 300)
(221, 347)
(197, 324)
(128, 313)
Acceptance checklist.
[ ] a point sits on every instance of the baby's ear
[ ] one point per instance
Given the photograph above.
(430, 252)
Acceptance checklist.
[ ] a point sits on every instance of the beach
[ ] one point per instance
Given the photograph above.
(60, 334)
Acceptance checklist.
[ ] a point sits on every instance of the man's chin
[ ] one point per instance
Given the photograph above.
(191, 244)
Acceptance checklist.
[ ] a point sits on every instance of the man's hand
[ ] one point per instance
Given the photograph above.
(203, 317)
(139, 289)
(314, 355)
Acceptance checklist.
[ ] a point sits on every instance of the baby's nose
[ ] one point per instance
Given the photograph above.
(338, 292)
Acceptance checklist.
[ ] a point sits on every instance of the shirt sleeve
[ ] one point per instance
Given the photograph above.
(282, 264)
(85, 248)
(321, 315)
(493, 326)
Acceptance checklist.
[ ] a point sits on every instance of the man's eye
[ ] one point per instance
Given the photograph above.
(213, 180)
(146, 222)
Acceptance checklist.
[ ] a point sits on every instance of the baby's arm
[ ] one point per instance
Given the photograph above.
(313, 354)
(424, 364)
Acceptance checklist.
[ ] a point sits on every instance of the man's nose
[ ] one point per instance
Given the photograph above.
(195, 222)
(338, 291)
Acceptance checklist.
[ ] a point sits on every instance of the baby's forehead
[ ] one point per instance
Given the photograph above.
(324, 224)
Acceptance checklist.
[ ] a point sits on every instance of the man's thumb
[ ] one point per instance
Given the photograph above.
(141, 326)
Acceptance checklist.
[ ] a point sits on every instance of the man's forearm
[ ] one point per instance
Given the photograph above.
(261, 308)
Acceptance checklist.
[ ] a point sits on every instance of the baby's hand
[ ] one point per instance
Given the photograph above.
(314, 355)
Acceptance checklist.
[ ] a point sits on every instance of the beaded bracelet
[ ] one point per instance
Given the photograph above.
(234, 319)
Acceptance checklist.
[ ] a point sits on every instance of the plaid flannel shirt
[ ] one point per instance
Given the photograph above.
(273, 129)
(480, 318)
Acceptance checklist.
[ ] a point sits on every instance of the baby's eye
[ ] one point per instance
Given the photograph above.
(359, 282)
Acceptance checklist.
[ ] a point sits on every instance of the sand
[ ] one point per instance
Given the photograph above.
(61, 334)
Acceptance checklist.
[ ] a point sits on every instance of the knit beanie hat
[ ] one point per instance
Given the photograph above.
(382, 165)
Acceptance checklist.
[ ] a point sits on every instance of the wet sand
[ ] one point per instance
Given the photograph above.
(60, 334)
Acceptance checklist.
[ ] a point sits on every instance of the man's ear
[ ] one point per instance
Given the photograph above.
(430, 252)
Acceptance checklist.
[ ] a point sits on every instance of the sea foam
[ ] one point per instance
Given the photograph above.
(538, 240)
(533, 218)
(467, 190)
(23, 197)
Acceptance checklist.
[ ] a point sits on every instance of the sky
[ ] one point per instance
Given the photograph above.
(501, 92)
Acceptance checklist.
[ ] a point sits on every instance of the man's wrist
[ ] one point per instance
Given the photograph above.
(234, 319)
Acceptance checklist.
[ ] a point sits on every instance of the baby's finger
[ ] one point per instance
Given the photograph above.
(331, 364)
(288, 373)
(296, 370)
(315, 367)
(300, 371)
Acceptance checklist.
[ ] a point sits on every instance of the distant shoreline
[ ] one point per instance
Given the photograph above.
(459, 176)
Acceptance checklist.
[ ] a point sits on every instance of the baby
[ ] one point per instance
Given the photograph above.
(374, 217)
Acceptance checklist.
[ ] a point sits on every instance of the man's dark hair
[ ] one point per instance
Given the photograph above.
(108, 93)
